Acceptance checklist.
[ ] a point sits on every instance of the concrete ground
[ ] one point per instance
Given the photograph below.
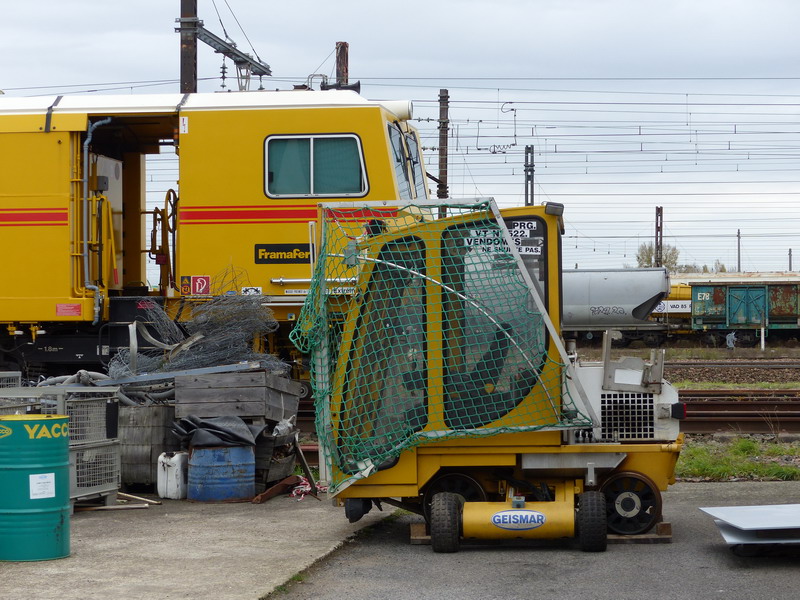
(183, 549)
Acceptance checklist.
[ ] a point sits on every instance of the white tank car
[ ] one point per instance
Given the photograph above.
(598, 299)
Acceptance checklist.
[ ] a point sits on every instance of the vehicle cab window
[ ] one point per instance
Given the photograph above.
(304, 166)
(400, 160)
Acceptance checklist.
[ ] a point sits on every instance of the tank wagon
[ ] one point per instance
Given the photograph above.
(618, 299)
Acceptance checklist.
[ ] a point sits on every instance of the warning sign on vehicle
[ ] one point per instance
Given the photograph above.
(201, 285)
(68, 310)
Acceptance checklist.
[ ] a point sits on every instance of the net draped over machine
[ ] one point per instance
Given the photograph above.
(406, 349)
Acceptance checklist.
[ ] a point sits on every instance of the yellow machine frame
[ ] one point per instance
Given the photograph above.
(495, 473)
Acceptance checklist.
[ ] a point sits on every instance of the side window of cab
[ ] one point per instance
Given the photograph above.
(305, 166)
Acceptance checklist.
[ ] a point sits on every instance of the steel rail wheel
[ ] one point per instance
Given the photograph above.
(457, 483)
(446, 511)
(633, 503)
(592, 522)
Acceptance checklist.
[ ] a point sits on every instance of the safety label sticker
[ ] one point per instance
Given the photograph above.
(68, 310)
(42, 485)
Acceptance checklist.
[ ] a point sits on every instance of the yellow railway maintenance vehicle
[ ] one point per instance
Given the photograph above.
(442, 384)
(251, 168)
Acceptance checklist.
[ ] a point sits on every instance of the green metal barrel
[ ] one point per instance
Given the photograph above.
(34, 487)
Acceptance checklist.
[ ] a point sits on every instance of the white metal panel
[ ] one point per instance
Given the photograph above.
(751, 518)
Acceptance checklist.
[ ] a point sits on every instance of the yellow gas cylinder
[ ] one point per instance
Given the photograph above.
(519, 518)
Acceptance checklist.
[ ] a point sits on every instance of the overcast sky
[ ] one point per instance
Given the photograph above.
(629, 104)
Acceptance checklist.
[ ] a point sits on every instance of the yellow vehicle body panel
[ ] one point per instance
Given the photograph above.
(223, 213)
(36, 220)
(223, 201)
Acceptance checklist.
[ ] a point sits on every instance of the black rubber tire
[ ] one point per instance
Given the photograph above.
(461, 484)
(633, 503)
(591, 522)
(446, 509)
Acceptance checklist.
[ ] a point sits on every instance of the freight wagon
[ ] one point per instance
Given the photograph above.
(701, 308)
(768, 308)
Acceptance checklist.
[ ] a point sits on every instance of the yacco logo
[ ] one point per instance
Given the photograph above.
(37, 431)
(5, 431)
(518, 519)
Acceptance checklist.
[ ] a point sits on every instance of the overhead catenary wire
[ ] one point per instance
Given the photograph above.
(619, 149)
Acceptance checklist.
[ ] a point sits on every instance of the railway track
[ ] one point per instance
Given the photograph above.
(732, 364)
(741, 411)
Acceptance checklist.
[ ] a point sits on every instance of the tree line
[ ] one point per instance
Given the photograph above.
(670, 258)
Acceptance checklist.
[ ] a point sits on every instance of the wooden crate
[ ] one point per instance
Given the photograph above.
(271, 468)
(144, 433)
(255, 394)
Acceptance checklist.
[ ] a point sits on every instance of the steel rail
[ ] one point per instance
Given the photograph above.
(710, 414)
(733, 364)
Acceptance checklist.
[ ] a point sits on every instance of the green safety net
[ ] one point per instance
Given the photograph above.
(421, 327)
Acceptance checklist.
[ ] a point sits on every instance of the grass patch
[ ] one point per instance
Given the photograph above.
(740, 458)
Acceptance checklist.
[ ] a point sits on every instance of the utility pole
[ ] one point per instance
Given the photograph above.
(444, 127)
(188, 30)
(738, 250)
(191, 29)
(790, 259)
(529, 171)
(342, 64)
(658, 248)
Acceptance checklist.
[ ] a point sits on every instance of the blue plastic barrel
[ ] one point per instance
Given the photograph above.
(34, 487)
(222, 474)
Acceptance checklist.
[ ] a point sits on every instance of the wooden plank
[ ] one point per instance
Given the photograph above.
(139, 498)
(284, 384)
(662, 534)
(419, 536)
(221, 380)
(81, 508)
(221, 409)
(285, 403)
(306, 469)
(276, 413)
(233, 394)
